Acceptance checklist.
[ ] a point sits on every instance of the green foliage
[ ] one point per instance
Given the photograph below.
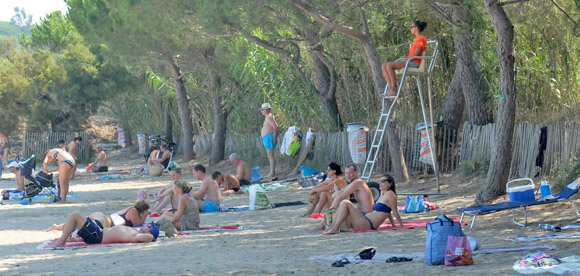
(21, 20)
(7, 29)
(474, 167)
(566, 173)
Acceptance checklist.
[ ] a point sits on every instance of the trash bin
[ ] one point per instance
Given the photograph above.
(121, 137)
(425, 151)
(142, 138)
(357, 142)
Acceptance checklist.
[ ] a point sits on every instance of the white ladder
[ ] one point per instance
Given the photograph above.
(423, 70)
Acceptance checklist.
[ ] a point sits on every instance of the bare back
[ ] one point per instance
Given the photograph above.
(124, 234)
(72, 149)
(233, 181)
(244, 172)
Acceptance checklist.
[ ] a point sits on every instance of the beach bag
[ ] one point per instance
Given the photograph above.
(155, 170)
(258, 197)
(294, 148)
(415, 204)
(458, 251)
(328, 218)
(437, 233)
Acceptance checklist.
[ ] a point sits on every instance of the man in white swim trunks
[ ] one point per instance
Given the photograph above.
(208, 196)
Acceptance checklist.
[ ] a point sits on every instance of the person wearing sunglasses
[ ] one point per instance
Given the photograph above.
(321, 195)
(417, 49)
(382, 209)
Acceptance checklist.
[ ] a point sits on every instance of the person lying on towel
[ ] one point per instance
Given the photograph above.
(130, 216)
(91, 231)
(382, 209)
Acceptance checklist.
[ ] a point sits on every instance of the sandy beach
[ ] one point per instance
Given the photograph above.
(273, 242)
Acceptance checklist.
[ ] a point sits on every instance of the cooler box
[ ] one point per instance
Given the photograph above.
(520, 193)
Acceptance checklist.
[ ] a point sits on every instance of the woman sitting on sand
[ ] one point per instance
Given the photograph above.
(321, 195)
(187, 215)
(382, 209)
(165, 196)
(130, 216)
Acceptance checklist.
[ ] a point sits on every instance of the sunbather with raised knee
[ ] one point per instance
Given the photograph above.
(92, 231)
(229, 183)
(130, 216)
(186, 217)
(360, 189)
(382, 209)
(165, 196)
(321, 195)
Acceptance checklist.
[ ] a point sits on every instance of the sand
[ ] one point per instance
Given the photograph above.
(275, 244)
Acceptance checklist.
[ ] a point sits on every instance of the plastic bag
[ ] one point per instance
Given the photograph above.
(258, 197)
(415, 204)
(458, 251)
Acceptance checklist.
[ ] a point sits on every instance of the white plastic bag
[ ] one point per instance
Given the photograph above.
(258, 197)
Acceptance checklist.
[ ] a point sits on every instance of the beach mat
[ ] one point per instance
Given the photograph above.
(213, 229)
(407, 225)
(546, 237)
(567, 265)
(272, 205)
(72, 244)
(517, 247)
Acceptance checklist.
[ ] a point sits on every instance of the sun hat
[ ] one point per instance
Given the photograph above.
(13, 164)
(265, 106)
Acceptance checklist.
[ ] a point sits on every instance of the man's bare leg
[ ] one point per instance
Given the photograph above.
(74, 220)
(344, 210)
(270, 154)
(317, 227)
(55, 227)
(325, 200)
(313, 203)
(162, 203)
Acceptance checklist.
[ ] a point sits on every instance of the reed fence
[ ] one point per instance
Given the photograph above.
(40, 143)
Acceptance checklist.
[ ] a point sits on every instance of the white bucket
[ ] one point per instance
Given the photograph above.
(142, 138)
(357, 142)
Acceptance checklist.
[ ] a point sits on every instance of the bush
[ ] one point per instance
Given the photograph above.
(566, 173)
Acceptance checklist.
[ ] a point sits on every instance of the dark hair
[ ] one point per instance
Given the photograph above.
(335, 167)
(391, 180)
(353, 165)
(78, 138)
(420, 24)
(60, 141)
(141, 206)
(177, 170)
(199, 168)
(215, 175)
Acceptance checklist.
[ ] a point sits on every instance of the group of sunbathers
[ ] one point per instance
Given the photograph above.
(334, 195)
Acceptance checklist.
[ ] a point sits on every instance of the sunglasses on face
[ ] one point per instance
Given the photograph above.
(383, 181)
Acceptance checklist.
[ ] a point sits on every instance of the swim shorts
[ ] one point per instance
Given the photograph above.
(91, 232)
(102, 169)
(268, 140)
(244, 182)
(210, 207)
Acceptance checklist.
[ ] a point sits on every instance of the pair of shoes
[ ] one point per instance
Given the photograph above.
(341, 262)
(395, 259)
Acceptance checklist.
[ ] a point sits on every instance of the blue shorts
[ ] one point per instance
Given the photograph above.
(210, 207)
(268, 140)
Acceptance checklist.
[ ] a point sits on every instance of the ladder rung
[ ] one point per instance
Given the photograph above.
(380, 129)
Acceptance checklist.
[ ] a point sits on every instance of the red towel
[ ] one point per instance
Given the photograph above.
(407, 225)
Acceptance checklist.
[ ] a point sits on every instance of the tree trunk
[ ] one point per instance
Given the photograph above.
(501, 151)
(184, 110)
(454, 102)
(220, 129)
(168, 122)
(469, 73)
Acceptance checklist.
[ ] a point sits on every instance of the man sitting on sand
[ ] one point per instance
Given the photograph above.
(101, 164)
(360, 189)
(244, 173)
(92, 232)
(165, 196)
(228, 182)
(208, 196)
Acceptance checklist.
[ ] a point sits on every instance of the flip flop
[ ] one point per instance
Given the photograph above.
(337, 264)
(395, 259)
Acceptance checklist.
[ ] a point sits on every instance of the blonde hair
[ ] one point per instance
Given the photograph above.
(183, 185)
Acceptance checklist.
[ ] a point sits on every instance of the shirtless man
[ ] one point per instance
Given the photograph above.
(101, 163)
(14, 168)
(208, 196)
(165, 195)
(92, 231)
(362, 193)
(4, 148)
(71, 148)
(269, 135)
(228, 182)
(244, 173)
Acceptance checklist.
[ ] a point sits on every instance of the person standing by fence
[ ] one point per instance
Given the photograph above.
(4, 148)
(269, 135)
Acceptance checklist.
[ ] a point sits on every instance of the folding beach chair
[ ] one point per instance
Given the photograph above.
(518, 206)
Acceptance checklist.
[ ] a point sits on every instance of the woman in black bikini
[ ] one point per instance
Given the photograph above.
(382, 209)
(66, 166)
(132, 216)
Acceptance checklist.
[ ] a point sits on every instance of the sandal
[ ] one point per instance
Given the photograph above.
(395, 259)
(337, 264)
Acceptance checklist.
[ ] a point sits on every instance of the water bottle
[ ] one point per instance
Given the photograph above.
(545, 189)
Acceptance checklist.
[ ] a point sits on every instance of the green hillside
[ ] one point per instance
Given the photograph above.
(7, 29)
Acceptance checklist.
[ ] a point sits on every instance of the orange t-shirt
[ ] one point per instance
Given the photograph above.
(420, 41)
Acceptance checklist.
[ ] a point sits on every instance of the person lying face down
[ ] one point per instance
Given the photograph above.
(92, 231)
(228, 182)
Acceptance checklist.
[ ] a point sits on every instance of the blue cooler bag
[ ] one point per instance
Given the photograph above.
(437, 233)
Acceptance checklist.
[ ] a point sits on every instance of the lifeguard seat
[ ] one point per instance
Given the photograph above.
(432, 45)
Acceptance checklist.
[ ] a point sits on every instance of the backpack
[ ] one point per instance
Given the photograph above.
(437, 233)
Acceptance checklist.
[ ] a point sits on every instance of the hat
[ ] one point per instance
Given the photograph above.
(265, 106)
(13, 164)
(154, 230)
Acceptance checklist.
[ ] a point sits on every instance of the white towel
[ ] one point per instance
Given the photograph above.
(288, 137)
